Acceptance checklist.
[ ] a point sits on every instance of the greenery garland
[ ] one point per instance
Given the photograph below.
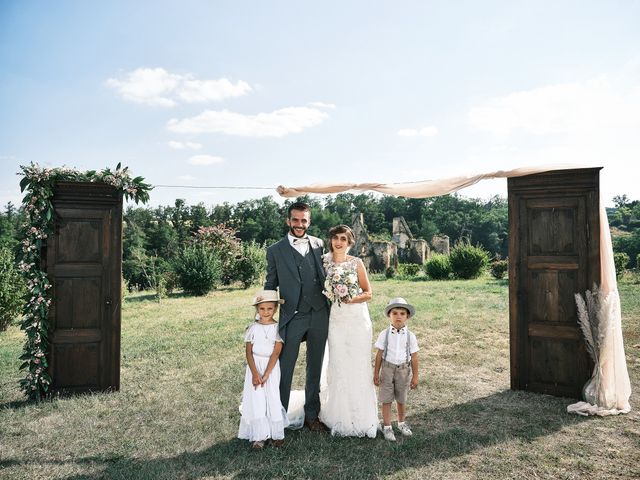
(39, 184)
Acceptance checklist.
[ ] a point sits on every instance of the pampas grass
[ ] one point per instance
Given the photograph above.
(591, 320)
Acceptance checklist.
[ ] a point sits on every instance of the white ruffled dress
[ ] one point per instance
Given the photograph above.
(263, 415)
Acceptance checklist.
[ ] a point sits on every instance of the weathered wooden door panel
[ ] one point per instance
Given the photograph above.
(84, 264)
(554, 253)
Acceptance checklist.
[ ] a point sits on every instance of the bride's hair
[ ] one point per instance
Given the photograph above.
(338, 229)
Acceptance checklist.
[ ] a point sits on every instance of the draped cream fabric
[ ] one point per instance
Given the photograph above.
(609, 388)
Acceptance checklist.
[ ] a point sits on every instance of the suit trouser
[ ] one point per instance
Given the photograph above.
(313, 325)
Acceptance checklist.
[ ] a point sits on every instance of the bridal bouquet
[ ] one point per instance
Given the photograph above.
(341, 283)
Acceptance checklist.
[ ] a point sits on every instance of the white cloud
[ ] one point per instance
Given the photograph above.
(149, 86)
(594, 122)
(193, 91)
(323, 105)
(592, 106)
(184, 145)
(274, 124)
(430, 131)
(204, 160)
(408, 132)
(186, 177)
(158, 87)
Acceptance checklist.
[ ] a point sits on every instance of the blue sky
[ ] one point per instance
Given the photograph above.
(239, 93)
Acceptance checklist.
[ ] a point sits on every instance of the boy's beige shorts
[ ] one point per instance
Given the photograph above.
(394, 382)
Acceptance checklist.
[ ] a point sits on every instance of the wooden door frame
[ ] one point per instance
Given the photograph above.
(95, 196)
(539, 186)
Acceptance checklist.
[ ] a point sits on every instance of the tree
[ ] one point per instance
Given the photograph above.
(12, 289)
(260, 220)
(620, 200)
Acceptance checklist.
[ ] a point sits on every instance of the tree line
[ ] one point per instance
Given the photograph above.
(157, 234)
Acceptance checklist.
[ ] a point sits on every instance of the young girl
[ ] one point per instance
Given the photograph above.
(263, 416)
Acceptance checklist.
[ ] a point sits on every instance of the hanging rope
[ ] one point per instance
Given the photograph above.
(227, 187)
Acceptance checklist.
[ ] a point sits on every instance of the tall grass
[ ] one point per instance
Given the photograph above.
(176, 415)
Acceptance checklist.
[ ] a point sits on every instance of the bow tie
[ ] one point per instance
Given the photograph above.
(395, 330)
(300, 241)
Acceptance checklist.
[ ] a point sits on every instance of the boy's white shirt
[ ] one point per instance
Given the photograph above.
(397, 347)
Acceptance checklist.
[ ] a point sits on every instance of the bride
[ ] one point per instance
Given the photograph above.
(348, 396)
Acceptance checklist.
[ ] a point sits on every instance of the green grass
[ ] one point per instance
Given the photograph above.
(176, 415)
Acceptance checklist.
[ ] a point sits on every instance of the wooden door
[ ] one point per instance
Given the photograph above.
(553, 254)
(84, 261)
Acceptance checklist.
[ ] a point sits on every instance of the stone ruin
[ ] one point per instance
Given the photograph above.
(440, 244)
(378, 255)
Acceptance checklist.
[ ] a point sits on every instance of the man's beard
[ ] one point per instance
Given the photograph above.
(293, 232)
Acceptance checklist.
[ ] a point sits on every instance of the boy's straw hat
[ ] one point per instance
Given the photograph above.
(399, 302)
(266, 296)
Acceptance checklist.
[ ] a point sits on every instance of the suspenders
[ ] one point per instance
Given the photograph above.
(386, 343)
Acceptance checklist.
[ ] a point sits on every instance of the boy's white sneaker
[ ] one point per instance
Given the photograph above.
(404, 429)
(388, 434)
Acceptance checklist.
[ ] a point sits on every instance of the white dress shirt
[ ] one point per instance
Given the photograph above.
(397, 346)
(302, 248)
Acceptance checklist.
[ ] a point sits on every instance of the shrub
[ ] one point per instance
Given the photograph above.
(12, 289)
(199, 269)
(171, 280)
(499, 268)
(408, 269)
(620, 260)
(223, 241)
(252, 265)
(390, 272)
(438, 267)
(468, 261)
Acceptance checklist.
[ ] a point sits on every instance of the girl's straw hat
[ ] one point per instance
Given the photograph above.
(266, 296)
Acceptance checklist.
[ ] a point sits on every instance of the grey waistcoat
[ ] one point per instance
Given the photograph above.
(311, 297)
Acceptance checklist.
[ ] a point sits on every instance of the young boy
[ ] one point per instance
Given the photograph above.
(397, 357)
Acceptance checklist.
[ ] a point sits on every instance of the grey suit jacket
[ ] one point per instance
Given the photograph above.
(282, 273)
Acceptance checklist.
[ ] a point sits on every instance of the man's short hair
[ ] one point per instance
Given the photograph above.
(303, 207)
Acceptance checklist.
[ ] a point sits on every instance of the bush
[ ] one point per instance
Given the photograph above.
(252, 265)
(227, 246)
(199, 269)
(171, 280)
(438, 267)
(468, 261)
(12, 289)
(390, 272)
(499, 268)
(408, 269)
(620, 260)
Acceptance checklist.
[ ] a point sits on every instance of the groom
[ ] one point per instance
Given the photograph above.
(294, 264)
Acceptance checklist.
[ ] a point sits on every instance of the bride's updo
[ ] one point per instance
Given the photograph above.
(338, 229)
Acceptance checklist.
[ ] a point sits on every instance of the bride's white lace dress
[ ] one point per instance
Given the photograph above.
(348, 395)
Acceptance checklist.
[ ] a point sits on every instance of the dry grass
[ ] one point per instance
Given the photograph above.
(176, 415)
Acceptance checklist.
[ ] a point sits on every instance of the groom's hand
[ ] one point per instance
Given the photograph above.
(414, 382)
(376, 380)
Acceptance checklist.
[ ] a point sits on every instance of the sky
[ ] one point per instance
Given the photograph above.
(251, 94)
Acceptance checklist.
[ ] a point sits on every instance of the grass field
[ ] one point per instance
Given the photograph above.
(176, 415)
